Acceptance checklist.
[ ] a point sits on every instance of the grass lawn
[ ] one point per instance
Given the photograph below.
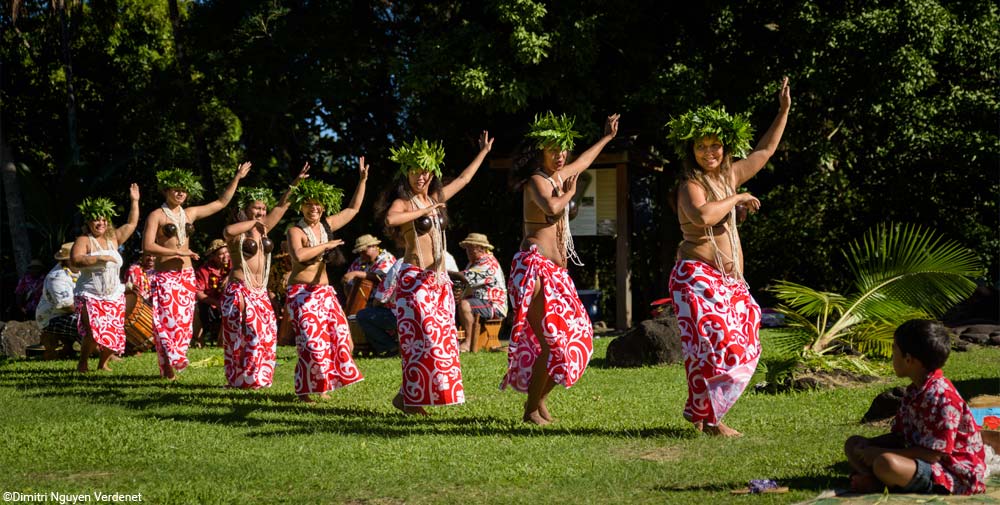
(619, 438)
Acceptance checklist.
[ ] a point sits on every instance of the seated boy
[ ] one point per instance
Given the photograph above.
(934, 446)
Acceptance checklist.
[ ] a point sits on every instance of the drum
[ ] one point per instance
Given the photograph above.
(139, 328)
(358, 298)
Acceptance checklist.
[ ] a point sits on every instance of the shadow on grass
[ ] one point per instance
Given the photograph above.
(277, 415)
(970, 388)
(815, 483)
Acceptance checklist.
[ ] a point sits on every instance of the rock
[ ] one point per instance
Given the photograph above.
(975, 338)
(960, 345)
(653, 342)
(981, 328)
(17, 336)
(994, 340)
(805, 384)
(884, 405)
(982, 305)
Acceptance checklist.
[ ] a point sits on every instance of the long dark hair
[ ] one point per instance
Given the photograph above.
(400, 189)
(525, 160)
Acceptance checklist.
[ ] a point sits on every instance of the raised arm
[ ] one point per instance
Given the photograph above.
(542, 193)
(584, 160)
(126, 230)
(398, 213)
(693, 203)
(274, 217)
(746, 168)
(201, 211)
(485, 144)
(340, 219)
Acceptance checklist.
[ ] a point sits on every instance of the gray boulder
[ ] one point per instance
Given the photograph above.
(17, 336)
(653, 342)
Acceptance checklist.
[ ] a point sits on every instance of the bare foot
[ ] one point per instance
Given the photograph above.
(397, 402)
(82, 368)
(534, 417)
(324, 396)
(699, 425)
(306, 399)
(105, 368)
(114, 357)
(544, 412)
(865, 483)
(721, 431)
(170, 374)
(463, 348)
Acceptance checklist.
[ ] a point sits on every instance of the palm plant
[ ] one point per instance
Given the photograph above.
(900, 272)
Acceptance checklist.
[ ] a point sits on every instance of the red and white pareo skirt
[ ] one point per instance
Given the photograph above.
(322, 338)
(249, 335)
(719, 323)
(566, 326)
(428, 339)
(173, 314)
(105, 321)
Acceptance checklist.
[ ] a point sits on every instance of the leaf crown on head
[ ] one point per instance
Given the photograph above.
(419, 155)
(177, 178)
(247, 196)
(734, 131)
(327, 195)
(551, 131)
(97, 208)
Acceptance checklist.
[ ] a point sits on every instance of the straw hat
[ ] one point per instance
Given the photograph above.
(476, 239)
(215, 246)
(364, 241)
(64, 250)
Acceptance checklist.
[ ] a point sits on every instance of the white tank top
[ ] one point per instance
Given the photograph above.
(101, 281)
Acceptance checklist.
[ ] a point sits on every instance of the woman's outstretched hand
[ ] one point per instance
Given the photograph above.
(784, 96)
(611, 125)
(485, 142)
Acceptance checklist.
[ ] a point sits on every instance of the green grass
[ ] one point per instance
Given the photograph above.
(620, 437)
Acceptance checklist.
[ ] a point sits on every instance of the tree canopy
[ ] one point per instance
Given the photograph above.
(894, 109)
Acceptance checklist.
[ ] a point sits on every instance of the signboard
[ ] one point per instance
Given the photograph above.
(596, 200)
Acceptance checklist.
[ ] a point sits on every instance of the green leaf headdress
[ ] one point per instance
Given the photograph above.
(419, 154)
(96, 208)
(735, 131)
(247, 196)
(551, 131)
(327, 195)
(177, 178)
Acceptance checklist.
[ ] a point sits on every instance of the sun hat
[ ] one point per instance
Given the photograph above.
(215, 246)
(476, 239)
(64, 250)
(363, 242)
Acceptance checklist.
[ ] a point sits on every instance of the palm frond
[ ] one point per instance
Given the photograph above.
(912, 265)
(789, 342)
(807, 301)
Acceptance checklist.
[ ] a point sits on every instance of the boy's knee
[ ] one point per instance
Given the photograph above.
(853, 442)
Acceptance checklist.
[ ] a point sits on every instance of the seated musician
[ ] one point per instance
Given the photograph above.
(210, 282)
(56, 314)
(486, 293)
(138, 276)
(372, 263)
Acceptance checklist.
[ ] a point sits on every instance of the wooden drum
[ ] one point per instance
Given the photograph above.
(358, 298)
(139, 328)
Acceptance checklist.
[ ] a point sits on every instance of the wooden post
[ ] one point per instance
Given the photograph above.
(623, 270)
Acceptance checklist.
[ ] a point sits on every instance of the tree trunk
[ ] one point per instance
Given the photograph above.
(15, 209)
(67, 61)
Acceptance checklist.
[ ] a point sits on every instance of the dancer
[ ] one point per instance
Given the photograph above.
(248, 329)
(424, 300)
(552, 337)
(100, 295)
(718, 318)
(168, 230)
(322, 336)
